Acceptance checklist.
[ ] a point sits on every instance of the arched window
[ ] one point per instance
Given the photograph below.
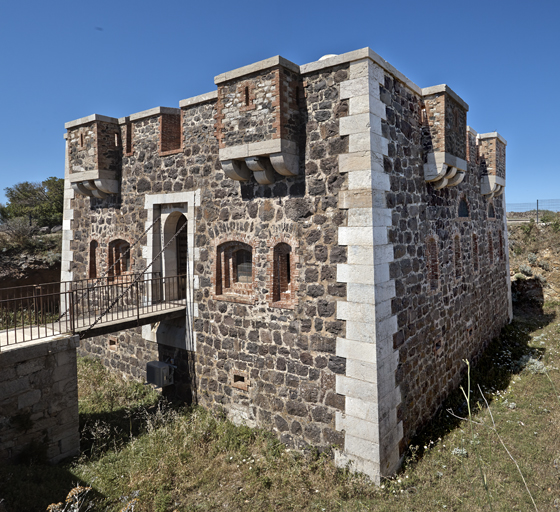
(93, 245)
(458, 262)
(491, 211)
(432, 263)
(234, 268)
(119, 258)
(281, 277)
(463, 210)
(475, 252)
(490, 249)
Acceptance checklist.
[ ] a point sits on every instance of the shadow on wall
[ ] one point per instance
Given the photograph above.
(504, 357)
(172, 343)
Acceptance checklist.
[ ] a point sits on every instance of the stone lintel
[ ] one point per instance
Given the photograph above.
(436, 89)
(201, 98)
(493, 135)
(363, 53)
(90, 119)
(257, 66)
(91, 175)
(157, 111)
(266, 147)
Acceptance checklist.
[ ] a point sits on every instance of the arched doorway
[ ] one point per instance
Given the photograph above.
(175, 256)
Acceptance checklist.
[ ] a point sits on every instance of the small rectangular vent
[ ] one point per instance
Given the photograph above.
(240, 380)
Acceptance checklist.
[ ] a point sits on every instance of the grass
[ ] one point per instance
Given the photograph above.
(144, 454)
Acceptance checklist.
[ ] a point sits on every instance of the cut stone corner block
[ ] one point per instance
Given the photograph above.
(444, 170)
(492, 186)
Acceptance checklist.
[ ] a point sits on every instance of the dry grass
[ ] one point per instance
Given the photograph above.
(149, 455)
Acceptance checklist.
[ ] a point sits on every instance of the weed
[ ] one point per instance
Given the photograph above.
(526, 269)
(532, 258)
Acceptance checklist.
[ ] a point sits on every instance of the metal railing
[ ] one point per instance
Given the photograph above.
(38, 311)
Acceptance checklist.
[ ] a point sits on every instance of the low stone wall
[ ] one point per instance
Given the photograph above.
(39, 401)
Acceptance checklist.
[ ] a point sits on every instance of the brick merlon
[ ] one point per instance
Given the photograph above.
(492, 135)
(90, 119)
(257, 66)
(435, 89)
(201, 98)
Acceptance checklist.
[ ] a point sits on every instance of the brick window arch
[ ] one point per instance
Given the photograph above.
(432, 262)
(490, 249)
(282, 272)
(457, 253)
(463, 208)
(233, 272)
(119, 258)
(475, 252)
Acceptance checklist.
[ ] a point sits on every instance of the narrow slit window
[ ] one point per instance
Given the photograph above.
(491, 211)
(490, 249)
(458, 263)
(281, 277)
(463, 210)
(93, 245)
(433, 263)
(247, 96)
(475, 253)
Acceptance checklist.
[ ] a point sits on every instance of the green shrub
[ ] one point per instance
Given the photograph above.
(526, 269)
(532, 258)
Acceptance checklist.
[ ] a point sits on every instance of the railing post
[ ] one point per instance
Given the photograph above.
(72, 312)
(137, 304)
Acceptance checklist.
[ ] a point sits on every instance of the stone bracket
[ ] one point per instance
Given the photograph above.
(444, 170)
(492, 186)
(262, 159)
(98, 184)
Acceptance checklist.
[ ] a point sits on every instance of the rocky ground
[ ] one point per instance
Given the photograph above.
(37, 262)
(534, 252)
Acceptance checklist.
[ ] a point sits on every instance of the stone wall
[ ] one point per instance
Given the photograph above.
(39, 401)
(438, 328)
(366, 339)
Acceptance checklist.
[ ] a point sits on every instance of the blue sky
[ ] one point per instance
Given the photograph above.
(61, 60)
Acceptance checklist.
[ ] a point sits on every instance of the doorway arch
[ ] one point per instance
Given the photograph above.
(175, 255)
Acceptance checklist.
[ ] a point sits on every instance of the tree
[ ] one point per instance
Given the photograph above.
(42, 203)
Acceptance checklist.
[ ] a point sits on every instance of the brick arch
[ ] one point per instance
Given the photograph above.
(223, 266)
(463, 207)
(432, 262)
(457, 255)
(282, 261)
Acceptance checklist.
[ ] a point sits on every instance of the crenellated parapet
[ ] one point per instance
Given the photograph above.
(492, 155)
(258, 120)
(94, 155)
(444, 136)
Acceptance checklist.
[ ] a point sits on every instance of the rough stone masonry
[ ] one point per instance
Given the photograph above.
(345, 246)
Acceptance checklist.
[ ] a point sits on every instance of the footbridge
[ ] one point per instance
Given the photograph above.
(89, 307)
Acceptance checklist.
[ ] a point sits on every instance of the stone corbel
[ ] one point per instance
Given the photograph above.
(95, 184)
(491, 185)
(444, 170)
(265, 160)
(285, 164)
(236, 170)
(262, 169)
